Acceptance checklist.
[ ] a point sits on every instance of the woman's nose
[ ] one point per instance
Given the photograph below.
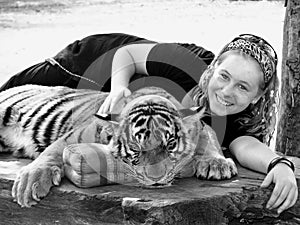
(227, 90)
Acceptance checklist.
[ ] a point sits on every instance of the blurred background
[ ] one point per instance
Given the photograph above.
(33, 30)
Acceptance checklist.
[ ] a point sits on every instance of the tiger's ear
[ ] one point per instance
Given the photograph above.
(192, 114)
(194, 125)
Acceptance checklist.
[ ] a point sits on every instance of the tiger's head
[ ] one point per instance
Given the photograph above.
(153, 138)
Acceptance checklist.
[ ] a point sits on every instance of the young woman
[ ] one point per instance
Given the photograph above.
(238, 88)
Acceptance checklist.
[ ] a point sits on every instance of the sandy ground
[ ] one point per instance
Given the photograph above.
(31, 31)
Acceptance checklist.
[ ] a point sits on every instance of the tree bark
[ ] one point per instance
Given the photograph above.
(288, 130)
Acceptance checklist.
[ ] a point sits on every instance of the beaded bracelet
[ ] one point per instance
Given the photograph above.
(277, 160)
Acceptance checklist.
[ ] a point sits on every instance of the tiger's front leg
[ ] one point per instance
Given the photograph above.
(34, 181)
(210, 162)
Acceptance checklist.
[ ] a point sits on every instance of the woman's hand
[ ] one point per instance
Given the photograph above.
(113, 98)
(285, 192)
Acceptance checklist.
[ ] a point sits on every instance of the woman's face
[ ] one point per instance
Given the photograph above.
(234, 85)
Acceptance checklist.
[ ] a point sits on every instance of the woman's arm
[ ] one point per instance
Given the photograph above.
(252, 153)
(255, 155)
(127, 61)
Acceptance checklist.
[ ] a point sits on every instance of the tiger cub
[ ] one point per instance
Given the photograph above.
(150, 135)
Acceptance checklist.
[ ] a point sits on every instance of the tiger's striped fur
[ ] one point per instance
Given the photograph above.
(32, 117)
(150, 135)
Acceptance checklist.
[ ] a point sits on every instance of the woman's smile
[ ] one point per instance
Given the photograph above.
(223, 102)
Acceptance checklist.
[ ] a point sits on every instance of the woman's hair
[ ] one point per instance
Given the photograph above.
(257, 119)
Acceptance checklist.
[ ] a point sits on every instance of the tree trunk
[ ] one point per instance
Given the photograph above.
(288, 136)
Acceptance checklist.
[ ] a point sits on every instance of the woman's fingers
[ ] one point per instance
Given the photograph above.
(295, 198)
(125, 92)
(115, 99)
(112, 104)
(102, 108)
(282, 197)
(285, 192)
(112, 99)
(105, 106)
(289, 201)
(275, 195)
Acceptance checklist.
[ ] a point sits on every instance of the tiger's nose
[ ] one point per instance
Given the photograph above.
(151, 144)
(156, 172)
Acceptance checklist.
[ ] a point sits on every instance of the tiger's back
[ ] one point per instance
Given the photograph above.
(33, 116)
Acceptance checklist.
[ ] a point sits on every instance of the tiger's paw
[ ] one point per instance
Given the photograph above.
(33, 182)
(215, 168)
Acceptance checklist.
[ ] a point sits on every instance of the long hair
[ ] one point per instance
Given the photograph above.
(257, 119)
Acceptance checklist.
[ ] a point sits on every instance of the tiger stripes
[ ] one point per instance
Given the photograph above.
(43, 114)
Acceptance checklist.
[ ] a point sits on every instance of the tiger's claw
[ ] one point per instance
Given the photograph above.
(216, 168)
(33, 182)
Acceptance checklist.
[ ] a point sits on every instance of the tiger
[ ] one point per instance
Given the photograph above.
(150, 133)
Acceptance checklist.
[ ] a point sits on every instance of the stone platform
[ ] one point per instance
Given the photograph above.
(188, 201)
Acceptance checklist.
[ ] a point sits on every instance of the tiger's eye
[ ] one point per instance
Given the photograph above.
(135, 161)
(171, 144)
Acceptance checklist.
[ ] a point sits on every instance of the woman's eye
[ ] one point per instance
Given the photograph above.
(243, 88)
(224, 76)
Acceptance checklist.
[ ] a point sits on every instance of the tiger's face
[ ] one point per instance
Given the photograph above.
(154, 139)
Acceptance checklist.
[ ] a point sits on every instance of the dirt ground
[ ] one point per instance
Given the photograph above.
(33, 30)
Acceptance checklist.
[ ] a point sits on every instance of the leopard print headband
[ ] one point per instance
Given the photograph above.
(258, 51)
